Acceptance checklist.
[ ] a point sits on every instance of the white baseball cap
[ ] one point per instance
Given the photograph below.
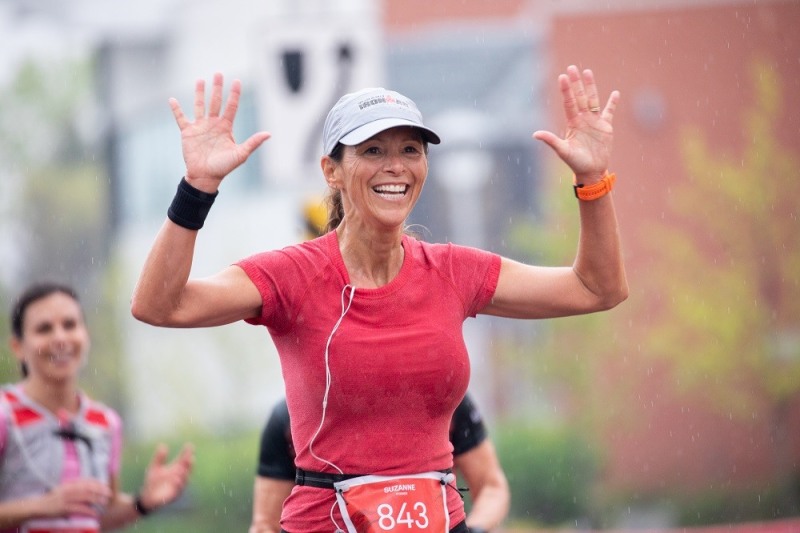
(358, 116)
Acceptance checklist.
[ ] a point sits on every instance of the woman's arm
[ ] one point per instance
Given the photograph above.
(487, 484)
(164, 295)
(163, 483)
(223, 298)
(268, 497)
(596, 281)
(120, 510)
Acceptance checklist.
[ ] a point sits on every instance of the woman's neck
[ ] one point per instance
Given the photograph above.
(372, 259)
(53, 397)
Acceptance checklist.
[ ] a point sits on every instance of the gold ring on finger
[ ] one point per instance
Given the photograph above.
(595, 109)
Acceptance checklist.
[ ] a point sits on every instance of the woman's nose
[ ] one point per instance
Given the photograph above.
(393, 163)
(59, 336)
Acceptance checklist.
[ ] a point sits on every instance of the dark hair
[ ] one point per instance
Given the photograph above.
(34, 293)
(334, 197)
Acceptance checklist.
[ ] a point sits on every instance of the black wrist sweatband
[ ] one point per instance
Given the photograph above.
(140, 508)
(190, 206)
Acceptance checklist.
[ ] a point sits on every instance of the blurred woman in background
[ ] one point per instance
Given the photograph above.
(60, 450)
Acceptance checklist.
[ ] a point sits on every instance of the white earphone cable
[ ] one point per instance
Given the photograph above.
(345, 309)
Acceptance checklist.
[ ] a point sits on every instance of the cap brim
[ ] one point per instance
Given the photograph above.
(362, 133)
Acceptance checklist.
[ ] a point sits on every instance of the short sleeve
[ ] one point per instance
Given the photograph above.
(488, 286)
(276, 452)
(282, 277)
(467, 429)
(472, 272)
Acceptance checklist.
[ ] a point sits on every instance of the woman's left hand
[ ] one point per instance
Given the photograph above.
(164, 482)
(586, 146)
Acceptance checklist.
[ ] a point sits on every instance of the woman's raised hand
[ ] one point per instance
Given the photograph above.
(586, 146)
(209, 149)
(163, 481)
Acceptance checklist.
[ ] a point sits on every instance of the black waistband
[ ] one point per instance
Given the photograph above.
(324, 480)
(321, 480)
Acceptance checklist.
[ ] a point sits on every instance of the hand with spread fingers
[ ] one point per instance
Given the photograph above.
(586, 146)
(163, 481)
(209, 149)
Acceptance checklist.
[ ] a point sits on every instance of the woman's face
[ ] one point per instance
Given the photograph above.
(382, 178)
(54, 338)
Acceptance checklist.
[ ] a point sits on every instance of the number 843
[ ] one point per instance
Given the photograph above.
(388, 521)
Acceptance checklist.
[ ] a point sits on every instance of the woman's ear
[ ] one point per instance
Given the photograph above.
(16, 348)
(329, 171)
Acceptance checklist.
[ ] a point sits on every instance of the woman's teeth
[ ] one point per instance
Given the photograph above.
(390, 189)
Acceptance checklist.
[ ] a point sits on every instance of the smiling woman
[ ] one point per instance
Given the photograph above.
(367, 320)
(60, 450)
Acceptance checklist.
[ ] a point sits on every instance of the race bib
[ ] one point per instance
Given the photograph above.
(410, 503)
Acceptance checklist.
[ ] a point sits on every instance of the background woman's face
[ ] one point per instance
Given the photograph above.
(54, 339)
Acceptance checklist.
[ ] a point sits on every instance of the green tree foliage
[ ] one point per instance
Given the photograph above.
(550, 472)
(735, 292)
(729, 326)
(219, 496)
(54, 209)
(37, 123)
(553, 458)
(59, 216)
(565, 357)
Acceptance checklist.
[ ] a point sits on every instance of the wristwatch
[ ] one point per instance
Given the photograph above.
(596, 190)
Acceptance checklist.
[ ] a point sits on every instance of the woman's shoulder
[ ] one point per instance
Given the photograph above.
(97, 413)
(436, 253)
(306, 252)
(9, 391)
(12, 396)
(290, 270)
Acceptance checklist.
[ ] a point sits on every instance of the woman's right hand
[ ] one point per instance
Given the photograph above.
(78, 497)
(209, 149)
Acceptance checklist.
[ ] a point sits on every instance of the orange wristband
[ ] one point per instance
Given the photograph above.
(596, 190)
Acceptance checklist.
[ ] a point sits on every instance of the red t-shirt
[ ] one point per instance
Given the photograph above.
(398, 362)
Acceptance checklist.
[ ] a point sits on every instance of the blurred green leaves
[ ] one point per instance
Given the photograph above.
(54, 198)
(733, 310)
